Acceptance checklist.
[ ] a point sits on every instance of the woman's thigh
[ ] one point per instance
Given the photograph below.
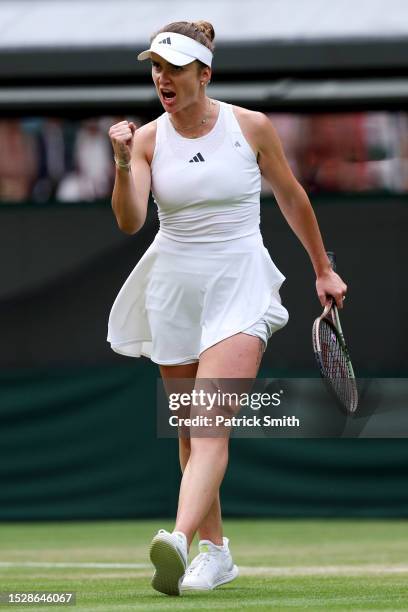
(179, 378)
(237, 356)
(188, 370)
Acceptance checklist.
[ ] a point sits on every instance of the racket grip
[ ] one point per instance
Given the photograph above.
(332, 257)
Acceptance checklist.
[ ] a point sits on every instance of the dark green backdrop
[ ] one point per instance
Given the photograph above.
(77, 422)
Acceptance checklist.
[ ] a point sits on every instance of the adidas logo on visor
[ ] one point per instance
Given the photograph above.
(197, 158)
(165, 41)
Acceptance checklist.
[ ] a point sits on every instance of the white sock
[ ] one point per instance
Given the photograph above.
(182, 536)
(221, 547)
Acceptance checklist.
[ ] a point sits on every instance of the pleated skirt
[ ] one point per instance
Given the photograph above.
(183, 297)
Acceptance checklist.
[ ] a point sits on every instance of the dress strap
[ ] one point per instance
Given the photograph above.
(237, 138)
(160, 137)
(232, 122)
(161, 128)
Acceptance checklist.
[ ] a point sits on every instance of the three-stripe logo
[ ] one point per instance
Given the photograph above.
(165, 41)
(197, 158)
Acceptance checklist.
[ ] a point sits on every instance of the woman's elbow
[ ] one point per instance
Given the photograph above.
(292, 195)
(129, 228)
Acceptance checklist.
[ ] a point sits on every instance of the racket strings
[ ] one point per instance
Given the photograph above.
(335, 365)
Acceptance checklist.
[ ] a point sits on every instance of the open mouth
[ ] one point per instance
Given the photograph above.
(167, 94)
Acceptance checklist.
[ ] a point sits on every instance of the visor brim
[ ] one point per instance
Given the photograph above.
(173, 57)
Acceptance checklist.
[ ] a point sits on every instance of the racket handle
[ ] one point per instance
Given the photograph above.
(331, 255)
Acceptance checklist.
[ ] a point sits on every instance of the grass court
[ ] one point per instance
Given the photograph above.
(285, 565)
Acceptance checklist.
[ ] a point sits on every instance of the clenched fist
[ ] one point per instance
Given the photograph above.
(121, 135)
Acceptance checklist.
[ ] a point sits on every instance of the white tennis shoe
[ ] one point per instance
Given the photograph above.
(211, 568)
(168, 553)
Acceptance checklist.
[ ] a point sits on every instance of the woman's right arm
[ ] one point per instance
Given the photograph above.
(132, 185)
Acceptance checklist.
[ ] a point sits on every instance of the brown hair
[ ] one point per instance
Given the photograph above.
(201, 31)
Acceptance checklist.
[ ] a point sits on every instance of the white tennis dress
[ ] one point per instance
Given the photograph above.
(207, 274)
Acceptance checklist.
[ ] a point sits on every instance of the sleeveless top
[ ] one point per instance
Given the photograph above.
(207, 274)
(206, 189)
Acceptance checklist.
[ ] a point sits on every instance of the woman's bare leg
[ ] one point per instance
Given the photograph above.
(235, 357)
(211, 526)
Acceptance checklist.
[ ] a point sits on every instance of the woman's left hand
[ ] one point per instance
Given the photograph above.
(330, 285)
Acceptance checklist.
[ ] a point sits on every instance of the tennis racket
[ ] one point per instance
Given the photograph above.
(332, 355)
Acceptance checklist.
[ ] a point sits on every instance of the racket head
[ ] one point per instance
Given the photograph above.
(334, 361)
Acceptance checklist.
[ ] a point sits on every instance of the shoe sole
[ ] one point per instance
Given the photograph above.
(169, 567)
(228, 577)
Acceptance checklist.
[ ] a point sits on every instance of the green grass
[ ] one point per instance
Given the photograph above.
(286, 565)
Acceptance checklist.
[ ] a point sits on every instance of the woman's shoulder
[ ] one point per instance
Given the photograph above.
(252, 120)
(145, 139)
(252, 124)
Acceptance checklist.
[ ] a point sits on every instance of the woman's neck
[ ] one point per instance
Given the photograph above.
(192, 122)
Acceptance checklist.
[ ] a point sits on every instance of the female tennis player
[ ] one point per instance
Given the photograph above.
(204, 299)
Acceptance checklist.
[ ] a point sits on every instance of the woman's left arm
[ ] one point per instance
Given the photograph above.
(296, 207)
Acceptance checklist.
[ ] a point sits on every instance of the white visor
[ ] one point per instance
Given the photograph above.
(177, 49)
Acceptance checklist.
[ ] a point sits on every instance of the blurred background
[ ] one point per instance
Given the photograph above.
(77, 421)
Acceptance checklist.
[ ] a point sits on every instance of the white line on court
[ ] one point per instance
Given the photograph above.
(328, 570)
(74, 565)
(324, 570)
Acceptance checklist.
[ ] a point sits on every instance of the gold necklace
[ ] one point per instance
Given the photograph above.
(202, 122)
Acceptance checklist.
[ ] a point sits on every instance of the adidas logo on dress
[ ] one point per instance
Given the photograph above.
(165, 41)
(197, 158)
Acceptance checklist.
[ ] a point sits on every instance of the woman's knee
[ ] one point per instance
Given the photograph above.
(209, 446)
(184, 452)
(185, 445)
